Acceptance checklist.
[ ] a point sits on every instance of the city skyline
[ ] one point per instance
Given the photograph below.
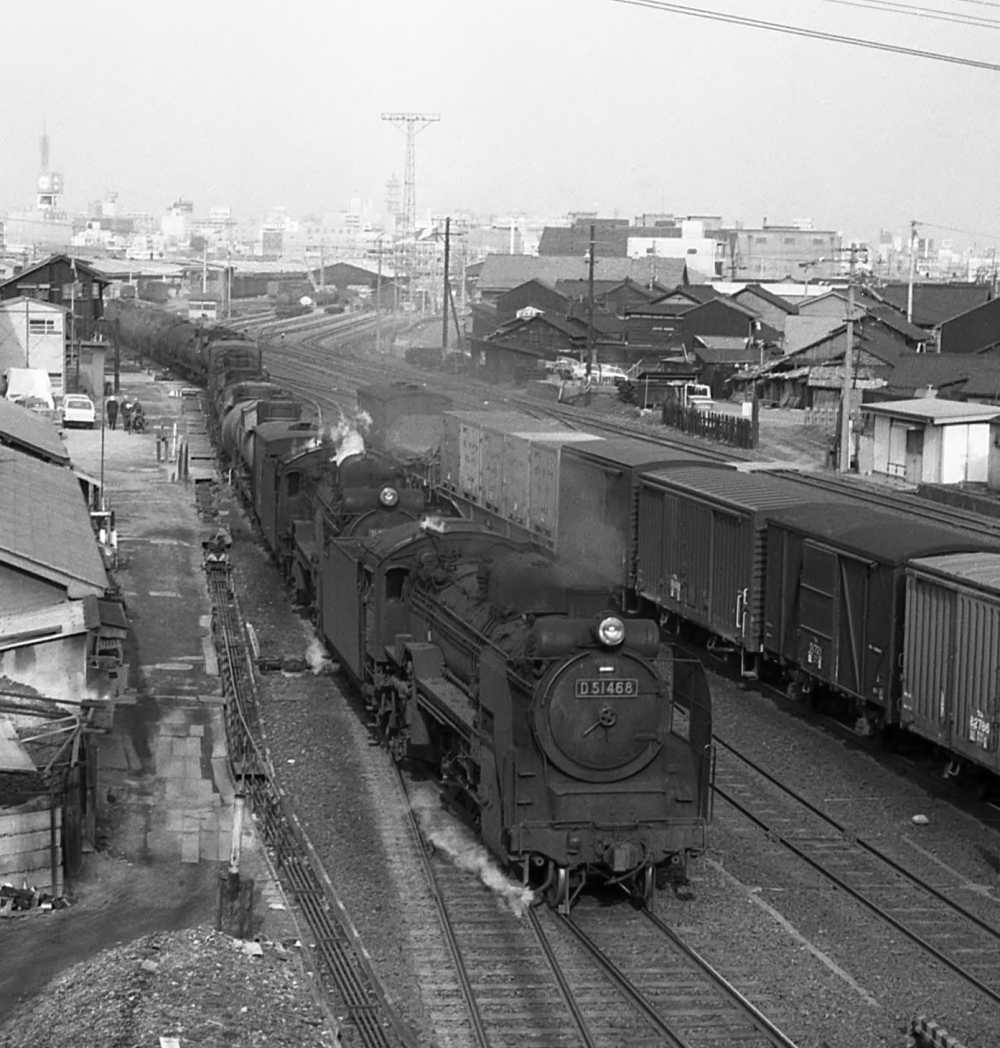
(545, 109)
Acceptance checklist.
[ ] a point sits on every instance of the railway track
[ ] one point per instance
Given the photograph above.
(671, 995)
(961, 941)
(604, 977)
(501, 987)
(342, 965)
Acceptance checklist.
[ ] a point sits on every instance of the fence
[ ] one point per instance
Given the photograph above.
(830, 418)
(723, 429)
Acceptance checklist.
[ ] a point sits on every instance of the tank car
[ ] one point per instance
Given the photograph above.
(579, 746)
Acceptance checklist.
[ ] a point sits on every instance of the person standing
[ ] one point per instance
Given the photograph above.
(112, 410)
(127, 415)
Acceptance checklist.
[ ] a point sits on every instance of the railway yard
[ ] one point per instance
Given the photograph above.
(845, 890)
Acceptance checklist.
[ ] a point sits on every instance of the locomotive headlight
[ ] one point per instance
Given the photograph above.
(388, 497)
(611, 631)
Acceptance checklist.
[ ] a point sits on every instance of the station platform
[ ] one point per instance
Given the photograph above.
(164, 790)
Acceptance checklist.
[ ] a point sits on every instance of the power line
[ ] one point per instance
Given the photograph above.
(917, 11)
(965, 232)
(812, 34)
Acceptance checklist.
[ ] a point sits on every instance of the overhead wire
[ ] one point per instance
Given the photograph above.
(811, 34)
(955, 229)
(893, 7)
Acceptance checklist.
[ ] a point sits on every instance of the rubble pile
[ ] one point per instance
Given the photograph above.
(198, 986)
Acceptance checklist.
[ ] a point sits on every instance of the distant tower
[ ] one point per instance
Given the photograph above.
(50, 183)
(409, 122)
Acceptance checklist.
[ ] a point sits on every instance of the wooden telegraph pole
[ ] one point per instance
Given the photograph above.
(590, 303)
(447, 287)
(844, 459)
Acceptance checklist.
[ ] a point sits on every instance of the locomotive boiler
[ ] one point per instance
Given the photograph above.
(580, 747)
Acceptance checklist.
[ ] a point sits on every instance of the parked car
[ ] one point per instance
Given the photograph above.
(611, 373)
(697, 395)
(78, 410)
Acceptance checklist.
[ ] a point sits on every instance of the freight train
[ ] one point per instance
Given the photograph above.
(893, 615)
(872, 607)
(578, 744)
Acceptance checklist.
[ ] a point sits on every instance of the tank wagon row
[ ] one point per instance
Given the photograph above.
(896, 615)
(579, 745)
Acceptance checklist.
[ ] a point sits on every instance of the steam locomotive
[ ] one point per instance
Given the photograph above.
(581, 748)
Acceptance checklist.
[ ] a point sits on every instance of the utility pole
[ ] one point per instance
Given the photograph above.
(844, 461)
(447, 286)
(913, 265)
(378, 300)
(590, 303)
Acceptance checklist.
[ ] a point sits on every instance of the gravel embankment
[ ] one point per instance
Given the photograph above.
(853, 979)
(343, 789)
(198, 986)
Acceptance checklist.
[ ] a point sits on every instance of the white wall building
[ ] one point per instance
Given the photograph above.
(33, 335)
(930, 441)
(699, 251)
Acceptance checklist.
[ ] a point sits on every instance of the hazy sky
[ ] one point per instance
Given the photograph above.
(546, 106)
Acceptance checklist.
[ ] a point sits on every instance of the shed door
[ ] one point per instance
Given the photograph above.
(914, 455)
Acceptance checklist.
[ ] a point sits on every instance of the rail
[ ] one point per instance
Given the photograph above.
(724, 1017)
(844, 846)
(337, 950)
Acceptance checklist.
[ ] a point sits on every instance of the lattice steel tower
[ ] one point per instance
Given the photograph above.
(411, 123)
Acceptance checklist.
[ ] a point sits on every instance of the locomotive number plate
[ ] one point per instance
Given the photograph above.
(621, 688)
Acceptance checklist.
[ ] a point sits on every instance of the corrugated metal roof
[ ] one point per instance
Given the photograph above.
(27, 431)
(45, 527)
(749, 491)
(937, 412)
(877, 533)
(979, 569)
(628, 453)
(13, 755)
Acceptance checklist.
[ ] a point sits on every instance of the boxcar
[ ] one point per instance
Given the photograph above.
(702, 545)
(506, 466)
(951, 654)
(598, 492)
(836, 593)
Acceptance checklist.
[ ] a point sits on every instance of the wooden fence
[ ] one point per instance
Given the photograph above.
(732, 430)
